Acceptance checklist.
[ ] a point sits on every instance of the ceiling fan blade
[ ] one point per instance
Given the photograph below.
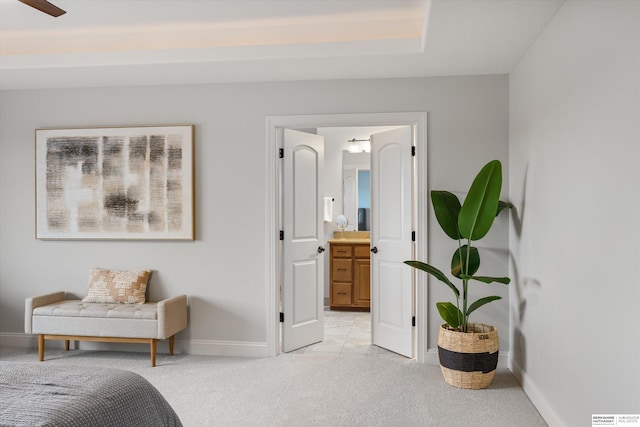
(45, 6)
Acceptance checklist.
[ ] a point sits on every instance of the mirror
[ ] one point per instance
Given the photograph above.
(356, 189)
(364, 200)
(342, 222)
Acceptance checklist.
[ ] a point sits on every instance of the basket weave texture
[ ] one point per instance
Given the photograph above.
(468, 359)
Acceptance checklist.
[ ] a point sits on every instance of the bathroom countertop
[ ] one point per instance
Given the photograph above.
(350, 240)
(351, 237)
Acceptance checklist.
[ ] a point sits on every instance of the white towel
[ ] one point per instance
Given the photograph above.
(328, 209)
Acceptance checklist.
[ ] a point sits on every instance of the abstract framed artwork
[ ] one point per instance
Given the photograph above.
(115, 183)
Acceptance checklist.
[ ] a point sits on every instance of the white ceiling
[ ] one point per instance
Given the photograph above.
(147, 42)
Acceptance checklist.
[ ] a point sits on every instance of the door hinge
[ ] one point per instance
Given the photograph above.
(413, 236)
(281, 153)
(413, 150)
(281, 317)
(281, 234)
(413, 321)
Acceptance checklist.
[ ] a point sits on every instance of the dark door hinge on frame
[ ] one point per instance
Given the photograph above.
(281, 317)
(281, 153)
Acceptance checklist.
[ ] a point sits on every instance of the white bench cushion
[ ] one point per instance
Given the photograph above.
(77, 308)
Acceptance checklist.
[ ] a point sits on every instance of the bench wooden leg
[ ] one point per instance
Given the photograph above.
(41, 347)
(66, 345)
(171, 342)
(154, 345)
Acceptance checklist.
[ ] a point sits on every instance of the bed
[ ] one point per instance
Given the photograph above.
(35, 395)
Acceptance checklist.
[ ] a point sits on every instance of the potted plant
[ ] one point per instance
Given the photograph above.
(468, 352)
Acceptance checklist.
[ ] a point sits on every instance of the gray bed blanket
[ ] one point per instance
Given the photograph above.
(47, 395)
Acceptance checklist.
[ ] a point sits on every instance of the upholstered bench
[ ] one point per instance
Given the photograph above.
(52, 317)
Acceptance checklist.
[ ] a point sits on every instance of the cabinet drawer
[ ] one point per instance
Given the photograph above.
(362, 251)
(341, 270)
(341, 251)
(341, 293)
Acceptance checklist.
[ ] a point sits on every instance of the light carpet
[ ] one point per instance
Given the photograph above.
(310, 390)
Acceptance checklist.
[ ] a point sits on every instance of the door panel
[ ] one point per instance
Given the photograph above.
(303, 264)
(362, 281)
(391, 226)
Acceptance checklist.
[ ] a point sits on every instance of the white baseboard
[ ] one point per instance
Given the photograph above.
(224, 348)
(433, 359)
(18, 340)
(535, 395)
(201, 347)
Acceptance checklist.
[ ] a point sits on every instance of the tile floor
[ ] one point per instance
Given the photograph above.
(347, 333)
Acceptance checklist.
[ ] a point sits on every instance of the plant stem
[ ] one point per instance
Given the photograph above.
(464, 305)
(460, 321)
(465, 285)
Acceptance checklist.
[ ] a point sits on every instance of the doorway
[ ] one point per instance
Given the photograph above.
(275, 126)
(346, 320)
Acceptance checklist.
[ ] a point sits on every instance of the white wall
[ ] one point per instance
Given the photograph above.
(574, 156)
(223, 271)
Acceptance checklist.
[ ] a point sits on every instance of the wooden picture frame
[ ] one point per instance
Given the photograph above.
(115, 183)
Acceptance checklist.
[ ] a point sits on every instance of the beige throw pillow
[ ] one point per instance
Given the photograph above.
(112, 286)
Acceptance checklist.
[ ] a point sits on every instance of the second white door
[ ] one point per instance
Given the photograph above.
(391, 240)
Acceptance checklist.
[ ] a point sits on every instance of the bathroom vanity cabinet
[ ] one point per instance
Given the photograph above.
(350, 272)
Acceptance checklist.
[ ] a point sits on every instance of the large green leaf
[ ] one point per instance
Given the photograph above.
(481, 204)
(446, 207)
(435, 273)
(482, 301)
(458, 262)
(486, 279)
(450, 314)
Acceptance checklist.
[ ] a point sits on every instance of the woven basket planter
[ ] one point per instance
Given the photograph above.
(468, 359)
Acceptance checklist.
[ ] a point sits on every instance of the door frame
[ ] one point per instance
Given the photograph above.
(273, 194)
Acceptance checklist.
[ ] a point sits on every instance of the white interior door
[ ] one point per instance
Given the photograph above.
(391, 227)
(303, 269)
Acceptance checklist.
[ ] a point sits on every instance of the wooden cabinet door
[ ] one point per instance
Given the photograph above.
(361, 282)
